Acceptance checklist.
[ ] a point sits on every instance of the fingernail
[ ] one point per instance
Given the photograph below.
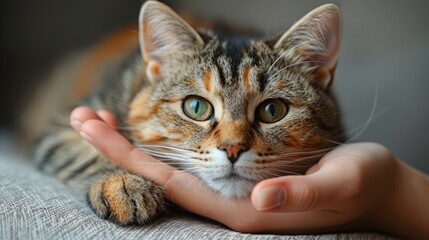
(269, 198)
(90, 140)
(76, 124)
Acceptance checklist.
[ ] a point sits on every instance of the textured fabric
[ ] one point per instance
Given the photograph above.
(37, 206)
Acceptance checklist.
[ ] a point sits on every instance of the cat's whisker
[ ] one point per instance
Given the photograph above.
(289, 169)
(289, 51)
(366, 125)
(270, 173)
(291, 65)
(198, 54)
(127, 128)
(290, 160)
(362, 127)
(312, 153)
(195, 179)
(281, 174)
(164, 146)
(293, 163)
(161, 163)
(369, 118)
(174, 154)
(278, 173)
(166, 155)
(217, 196)
(303, 156)
(294, 153)
(181, 171)
(156, 147)
(337, 143)
(132, 30)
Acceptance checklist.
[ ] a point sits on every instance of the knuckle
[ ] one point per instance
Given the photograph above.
(300, 197)
(168, 185)
(131, 156)
(308, 199)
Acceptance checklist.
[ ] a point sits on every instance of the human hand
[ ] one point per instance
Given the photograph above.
(353, 187)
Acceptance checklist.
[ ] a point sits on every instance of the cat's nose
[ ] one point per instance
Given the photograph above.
(233, 151)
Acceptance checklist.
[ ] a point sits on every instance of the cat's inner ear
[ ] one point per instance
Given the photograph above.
(316, 37)
(163, 36)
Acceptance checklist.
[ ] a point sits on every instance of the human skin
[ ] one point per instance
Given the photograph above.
(359, 186)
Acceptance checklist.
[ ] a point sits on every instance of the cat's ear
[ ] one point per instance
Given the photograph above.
(316, 37)
(164, 35)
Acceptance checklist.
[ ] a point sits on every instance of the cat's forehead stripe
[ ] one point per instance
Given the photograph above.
(231, 52)
(220, 73)
(234, 49)
(237, 58)
(246, 80)
(207, 78)
(263, 79)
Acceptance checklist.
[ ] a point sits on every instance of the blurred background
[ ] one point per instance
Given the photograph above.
(381, 81)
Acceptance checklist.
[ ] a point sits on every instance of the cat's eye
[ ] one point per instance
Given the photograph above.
(271, 110)
(197, 108)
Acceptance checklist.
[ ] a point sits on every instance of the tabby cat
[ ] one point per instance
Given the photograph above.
(231, 111)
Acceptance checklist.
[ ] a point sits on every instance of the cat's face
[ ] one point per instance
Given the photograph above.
(236, 112)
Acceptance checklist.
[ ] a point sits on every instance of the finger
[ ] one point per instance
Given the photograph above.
(108, 118)
(80, 115)
(317, 191)
(83, 113)
(118, 149)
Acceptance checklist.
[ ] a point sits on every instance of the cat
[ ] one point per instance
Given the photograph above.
(231, 111)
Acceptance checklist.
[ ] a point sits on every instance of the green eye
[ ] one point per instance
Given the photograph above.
(197, 108)
(271, 111)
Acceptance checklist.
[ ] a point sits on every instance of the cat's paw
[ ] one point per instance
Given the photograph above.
(126, 199)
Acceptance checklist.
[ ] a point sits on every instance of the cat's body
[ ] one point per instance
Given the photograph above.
(230, 111)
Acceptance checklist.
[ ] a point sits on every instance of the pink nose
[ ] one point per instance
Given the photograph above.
(233, 150)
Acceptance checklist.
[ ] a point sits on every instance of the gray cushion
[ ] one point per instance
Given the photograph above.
(37, 206)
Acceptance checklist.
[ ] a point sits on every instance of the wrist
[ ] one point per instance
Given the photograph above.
(403, 212)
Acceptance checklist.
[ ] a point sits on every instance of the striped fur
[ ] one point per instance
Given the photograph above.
(272, 111)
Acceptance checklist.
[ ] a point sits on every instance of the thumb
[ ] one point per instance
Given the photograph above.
(316, 191)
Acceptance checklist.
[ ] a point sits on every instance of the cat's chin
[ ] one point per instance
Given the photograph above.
(232, 188)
